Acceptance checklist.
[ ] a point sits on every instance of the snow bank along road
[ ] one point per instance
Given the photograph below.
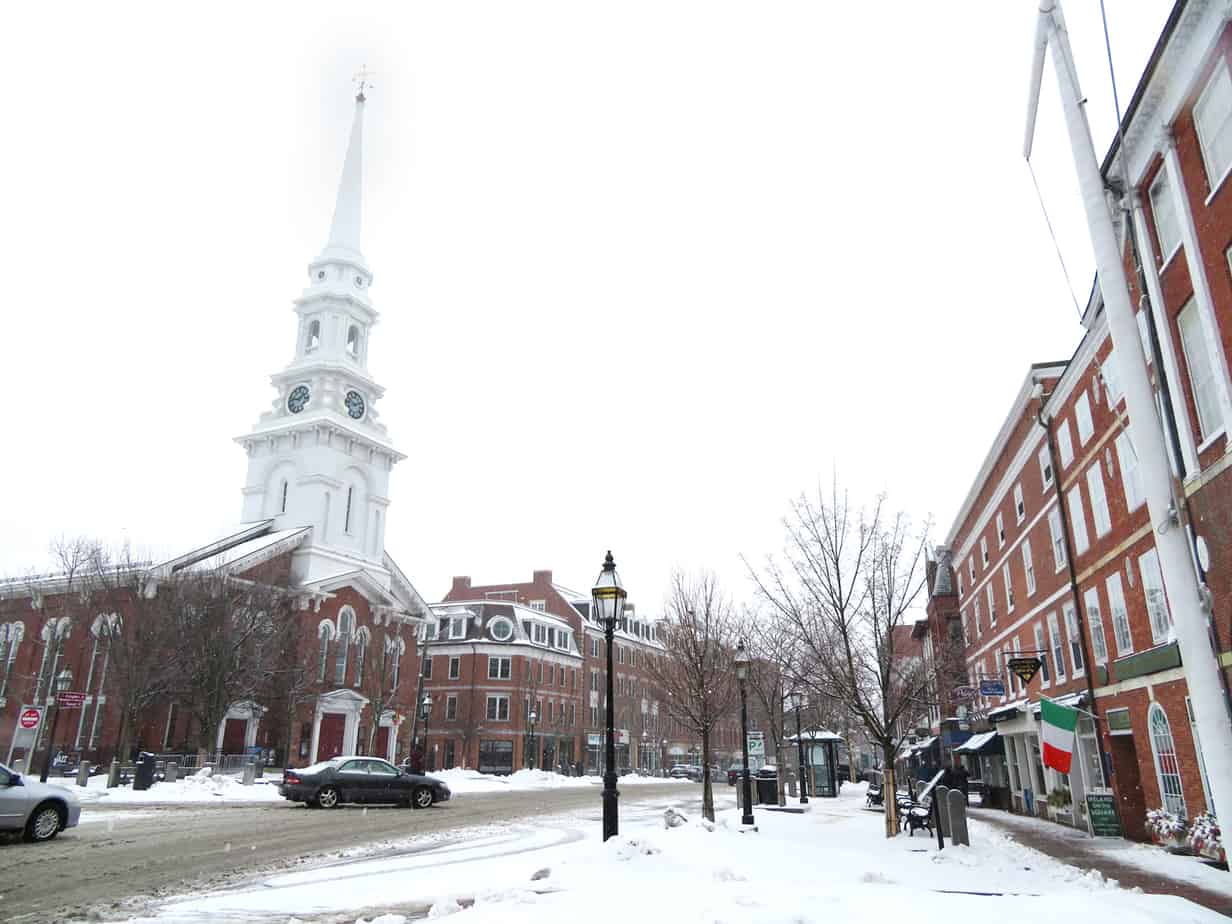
(160, 850)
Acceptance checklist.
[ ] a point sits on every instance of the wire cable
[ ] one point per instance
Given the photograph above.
(1055, 243)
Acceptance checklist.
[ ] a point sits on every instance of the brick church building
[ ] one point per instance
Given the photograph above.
(310, 538)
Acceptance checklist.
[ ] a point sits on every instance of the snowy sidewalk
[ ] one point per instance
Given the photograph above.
(1149, 868)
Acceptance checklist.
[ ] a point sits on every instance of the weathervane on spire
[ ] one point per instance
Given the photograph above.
(362, 81)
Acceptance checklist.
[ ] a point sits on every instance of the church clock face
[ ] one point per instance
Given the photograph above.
(355, 404)
(298, 399)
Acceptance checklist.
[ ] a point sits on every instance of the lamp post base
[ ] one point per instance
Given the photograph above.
(611, 823)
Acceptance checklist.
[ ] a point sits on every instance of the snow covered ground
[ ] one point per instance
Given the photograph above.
(831, 864)
(198, 788)
(203, 789)
(472, 781)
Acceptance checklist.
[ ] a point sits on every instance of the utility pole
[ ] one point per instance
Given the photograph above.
(1188, 598)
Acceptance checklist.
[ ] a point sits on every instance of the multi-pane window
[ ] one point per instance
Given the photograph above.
(1120, 616)
(1163, 208)
(1213, 120)
(971, 569)
(451, 707)
(1095, 622)
(499, 668)
(594, 716)
(1077, 519)
(1058, 537)
(1082, 413)
(1028, 566)
(1156, 602)
(594, 648)
(539, 606)
(965, 636)
(1045, 675)
(1112, 378)
(1065, 443)
(984, 551)
(1056, 645)
(976, 614)
(1201, 376)
(346, 625)
(1009, 588)
(457, 627)
(1070, 615)
(427, 668)
(1131, 476)
(594, 680)
(1167, 767)
(455, 668)
(498, 709)
(992, 603)
(1016, 653)
(1000, 528)
(1020, 505)
(1045, 464)
(1099, 500)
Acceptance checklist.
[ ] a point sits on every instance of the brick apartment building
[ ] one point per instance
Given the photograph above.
(545, 630)
(312, 532)
(1053, 550)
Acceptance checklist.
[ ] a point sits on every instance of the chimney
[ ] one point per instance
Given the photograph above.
(461, 585)
(541, 577)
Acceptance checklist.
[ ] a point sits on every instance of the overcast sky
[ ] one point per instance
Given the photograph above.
(646, 270)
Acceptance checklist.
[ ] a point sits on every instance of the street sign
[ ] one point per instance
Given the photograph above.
(70, 700)
(757, 745)
(992, 687)
(30, 718)
(1025, 668)
(1102, 811)
(962, 694)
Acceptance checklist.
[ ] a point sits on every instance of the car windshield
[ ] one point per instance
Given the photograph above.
(441, 437)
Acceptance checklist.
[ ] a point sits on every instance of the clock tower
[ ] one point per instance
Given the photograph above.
(320, 456)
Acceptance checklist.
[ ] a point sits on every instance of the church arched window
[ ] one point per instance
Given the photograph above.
(314, 335)
(326, 632)
(346, 626)
(352, 345)
(361, 651)
(346, 522)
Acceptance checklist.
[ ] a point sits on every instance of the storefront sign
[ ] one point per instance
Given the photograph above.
(1102, 811)
(992, 687)
(1119, 722)
(1025, 668)
(962, 694)
(594, 741)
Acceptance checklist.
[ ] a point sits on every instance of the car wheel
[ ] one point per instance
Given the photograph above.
(44, 822)
(327, 797)
(421, 797)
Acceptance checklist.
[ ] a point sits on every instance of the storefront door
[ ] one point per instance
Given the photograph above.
(330, 735)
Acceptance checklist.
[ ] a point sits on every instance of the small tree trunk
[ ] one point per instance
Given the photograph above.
(778, 757)
(707, 791)
(889, 794)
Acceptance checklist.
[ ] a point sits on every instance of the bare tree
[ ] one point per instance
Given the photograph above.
(379, 665)
(845, 583)
(771, 671)
(699, 631)
(224, 629)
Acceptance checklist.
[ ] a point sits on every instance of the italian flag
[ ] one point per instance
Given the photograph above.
(1058, 737)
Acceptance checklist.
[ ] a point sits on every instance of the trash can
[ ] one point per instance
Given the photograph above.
(143, 776)
(767, 782)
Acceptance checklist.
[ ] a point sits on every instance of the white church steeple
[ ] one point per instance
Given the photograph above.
(319, 456)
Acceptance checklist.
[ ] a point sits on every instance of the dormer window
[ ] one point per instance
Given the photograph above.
(314, 336)
(352, 344)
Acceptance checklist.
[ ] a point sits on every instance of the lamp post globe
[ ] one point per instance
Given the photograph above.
(425, 711)
(608, 597)
(532, 718)
(742, 676)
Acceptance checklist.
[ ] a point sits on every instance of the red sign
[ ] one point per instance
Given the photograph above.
(30, 718)
(70, 700)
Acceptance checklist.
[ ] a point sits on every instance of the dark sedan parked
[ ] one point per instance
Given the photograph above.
(360, 779)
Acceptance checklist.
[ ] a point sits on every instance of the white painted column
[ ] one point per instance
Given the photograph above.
(1163, 327)
(1202, 289)
(316, 733)
(1189, 614)
(350, 734)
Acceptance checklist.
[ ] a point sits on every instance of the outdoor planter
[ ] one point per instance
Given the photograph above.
(1167, 830)
(1205, 839)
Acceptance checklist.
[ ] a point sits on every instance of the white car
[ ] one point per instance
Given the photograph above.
(38, 810)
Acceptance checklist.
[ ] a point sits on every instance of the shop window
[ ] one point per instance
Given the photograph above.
(1167, 767)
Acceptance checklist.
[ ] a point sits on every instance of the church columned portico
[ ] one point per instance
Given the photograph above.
(335, 723)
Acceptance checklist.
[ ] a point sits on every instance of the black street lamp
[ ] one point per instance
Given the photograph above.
(742, 674)
(532, 718)
(798, 703)
(426, 713)
(64, 680)
(609, 600)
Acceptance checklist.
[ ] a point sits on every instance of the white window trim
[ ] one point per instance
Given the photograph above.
(1020, 503)
(1162, 178)
(1069, 616)
(1007, 579)
(1215, 182)
(1065, 443)
(1047, 470)
(1028, 566)
(1092, 594)
(1077, 519)
(497, 698)
(1082, 412)
(1095, 476)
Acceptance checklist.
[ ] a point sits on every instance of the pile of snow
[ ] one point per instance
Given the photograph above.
(200, 787)
(472, 781)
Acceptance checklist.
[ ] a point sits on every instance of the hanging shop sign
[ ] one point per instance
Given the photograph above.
(1025, 668)
(992, 686)
(963, 694)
